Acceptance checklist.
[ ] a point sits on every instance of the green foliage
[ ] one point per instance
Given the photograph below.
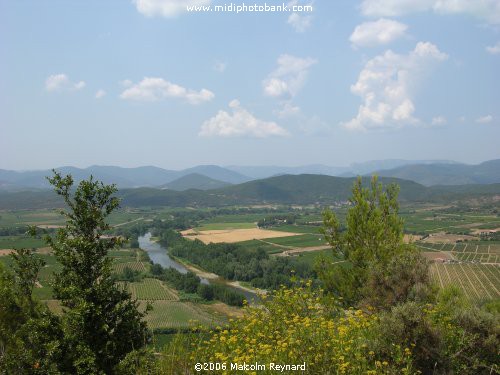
(404, 277)
(31, 338)
(292, 327)
(374, 235)
(236, 262)
(101, 322)
(448, 337)
(26, 267)
(190, 283)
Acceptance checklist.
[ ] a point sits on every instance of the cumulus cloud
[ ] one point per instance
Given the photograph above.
(100, 93)
(494, 50)
(166, 8)
(439, 120)
(287, 110)
(486, 10)
(484, 119)
(239, 123)
(289, 77)
(300, 21)
(61, 82)
(383, 31)
(153, 89)
(387, 84)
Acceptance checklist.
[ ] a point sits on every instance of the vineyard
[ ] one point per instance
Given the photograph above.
(478, 281)
(134, 266)
(175, 314)
(466, 252)
(150, 290)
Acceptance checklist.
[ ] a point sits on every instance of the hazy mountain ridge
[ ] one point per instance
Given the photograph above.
(195, 181)
(354, 169)
(447, 174)
(286, 189)
(147, 176)
(426, 172)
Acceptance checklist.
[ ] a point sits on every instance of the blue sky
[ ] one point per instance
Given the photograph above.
(145, 82)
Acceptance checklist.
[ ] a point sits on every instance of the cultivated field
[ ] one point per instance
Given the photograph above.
(175, 314)
(478, 281)
(234, 235)
(134, 266)
(150, 290)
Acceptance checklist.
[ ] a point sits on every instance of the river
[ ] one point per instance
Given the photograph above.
(158, 254)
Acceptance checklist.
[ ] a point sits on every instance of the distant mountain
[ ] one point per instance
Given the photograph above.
(369, 167)
(355, 169)
(447, 174)
(122, 177)
(287, 189)
(258, 172)
(425, 172)
(217, 173)
(195, 181)
(309, 189)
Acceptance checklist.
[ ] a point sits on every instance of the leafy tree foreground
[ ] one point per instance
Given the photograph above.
(100, 323)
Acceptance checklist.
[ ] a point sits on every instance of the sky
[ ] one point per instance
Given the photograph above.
(147, 82)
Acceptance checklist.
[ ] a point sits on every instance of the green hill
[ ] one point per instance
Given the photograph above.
(195, 181)
(287, 189)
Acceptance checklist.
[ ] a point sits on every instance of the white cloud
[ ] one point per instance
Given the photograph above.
(439, 120)
(494, 50)
(100, 93)
(61, 82)
(300, 21)
(166, 8)
(287, 110)
(153, 89)
(239, 123)
(289, 77)
(487, 10)
(126, 83)
(387, 85)
(484, 119)
(376, 33)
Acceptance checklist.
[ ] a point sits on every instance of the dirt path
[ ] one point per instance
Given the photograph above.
(237, 284)
(299, 250)
(277, 245)
(127, 222)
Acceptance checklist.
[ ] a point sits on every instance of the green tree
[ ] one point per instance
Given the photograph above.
(31, 337)
(374, 235)
(26, 267)
(101, 323)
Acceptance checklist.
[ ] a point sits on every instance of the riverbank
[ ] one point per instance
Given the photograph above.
(217, 279)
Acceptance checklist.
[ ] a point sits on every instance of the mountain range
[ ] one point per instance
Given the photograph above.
(203, 177)
(302, 189)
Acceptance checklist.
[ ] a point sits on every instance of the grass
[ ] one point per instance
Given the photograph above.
(306, 240)
(19, 242)
(297, 228)
(176, 314)
(478, 281)
(254, 244)
(150, 290)
(134, 266)
(18, 218)
(221, 226)
(310, 257)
